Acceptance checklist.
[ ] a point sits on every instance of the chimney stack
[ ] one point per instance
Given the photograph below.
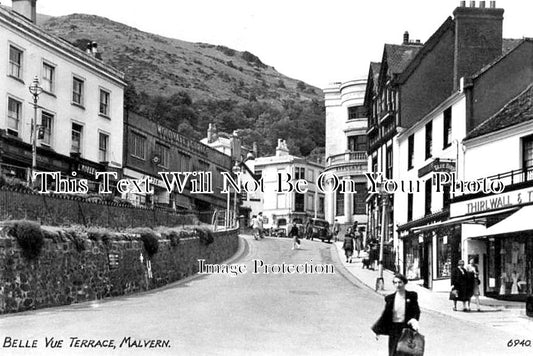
(478, 39)
(493, 4)
(472, 4)
(26, 8)
(462, 3)
(282, 149)
(406, 37)
(482, 4)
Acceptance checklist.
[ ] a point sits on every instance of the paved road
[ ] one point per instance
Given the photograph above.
(248, 314)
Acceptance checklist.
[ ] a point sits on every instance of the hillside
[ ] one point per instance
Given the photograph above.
(187, 85)
(163, 66)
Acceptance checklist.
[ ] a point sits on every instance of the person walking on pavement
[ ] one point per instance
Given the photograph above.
(348, 245)
(358, 238)
(260, 222)
(308, 229)
(255, 227)
(474, 280)
(401, 311)
(460, 285)
(336, 230)
(294, 235)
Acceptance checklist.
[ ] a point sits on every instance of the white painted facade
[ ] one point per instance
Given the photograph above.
(40, 50)
(277, 205)
(340, 159)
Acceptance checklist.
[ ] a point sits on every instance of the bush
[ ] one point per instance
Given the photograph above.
(149, 239)
(29, 237)
(205, 235)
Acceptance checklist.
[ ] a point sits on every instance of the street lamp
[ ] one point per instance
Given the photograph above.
(236, 170)
(35, 90)
(385, 203)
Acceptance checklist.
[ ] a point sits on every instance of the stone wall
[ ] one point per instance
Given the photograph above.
(62, 275)
(60, 211)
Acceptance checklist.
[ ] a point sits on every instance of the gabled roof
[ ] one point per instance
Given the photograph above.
(435, 38)
(516, 111)
(399, 56)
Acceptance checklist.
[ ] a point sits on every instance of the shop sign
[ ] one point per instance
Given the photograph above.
(492, 202)
(437, 165)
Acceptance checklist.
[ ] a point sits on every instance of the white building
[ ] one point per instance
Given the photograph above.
(80, 111)
(346, 150)
(280, 208)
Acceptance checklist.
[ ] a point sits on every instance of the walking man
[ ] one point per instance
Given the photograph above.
(260, 224)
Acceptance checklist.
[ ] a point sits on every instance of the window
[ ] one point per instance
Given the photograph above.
(48, 78)
(409, 206)
(77, 91)
(410, 151)
(280, 201)
(138, 143)
(429, 139)
(15, 62)
(447, 129)
(339, 208)
(45, 132)
(375, 164)
(357, 143)
(299, 201)
(444, 257)
(311, 201)
(77, 131)
(359, 204)
(162, 152)
(104, 102)
(14, 113)
(446, 197)
(321, 205)
(311, 175)
(427, 206)
(388, 158)
(356, 112)
(299, 173)
(103, 147)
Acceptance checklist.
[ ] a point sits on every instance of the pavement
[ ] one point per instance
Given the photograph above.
(504, 315)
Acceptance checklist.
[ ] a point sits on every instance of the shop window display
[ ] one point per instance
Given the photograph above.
(412, 259)
(513, 267)
(444, 257)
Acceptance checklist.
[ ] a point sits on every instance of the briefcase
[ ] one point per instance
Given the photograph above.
(411, 343)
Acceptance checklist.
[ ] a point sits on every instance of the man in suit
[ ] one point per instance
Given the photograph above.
(401, 311)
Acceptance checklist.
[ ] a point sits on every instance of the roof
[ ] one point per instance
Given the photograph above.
(12, 19)
(399, 56)
(516, 111)
(508, 46)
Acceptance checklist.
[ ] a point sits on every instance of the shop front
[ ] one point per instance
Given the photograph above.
(508, 258)
(501, 243)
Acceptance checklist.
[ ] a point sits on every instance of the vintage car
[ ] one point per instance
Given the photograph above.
(320, 230)
(283, 228)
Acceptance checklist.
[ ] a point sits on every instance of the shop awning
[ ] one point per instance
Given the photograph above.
(473, 219)
(522, 220)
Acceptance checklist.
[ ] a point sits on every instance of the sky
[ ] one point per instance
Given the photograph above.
(319, 42)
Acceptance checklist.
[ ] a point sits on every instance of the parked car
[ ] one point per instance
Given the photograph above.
(283, 228)
(321, 230)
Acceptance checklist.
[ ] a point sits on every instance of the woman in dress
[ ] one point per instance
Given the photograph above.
(348, 245)
(472, 268)
(460, 285)
(401, 311)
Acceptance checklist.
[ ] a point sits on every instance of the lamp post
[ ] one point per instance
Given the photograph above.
(35, 90)
(236, 170)
(385, 203)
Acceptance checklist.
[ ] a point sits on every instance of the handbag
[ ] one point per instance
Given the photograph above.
(411, 343)
(380, 327)
(454, 294)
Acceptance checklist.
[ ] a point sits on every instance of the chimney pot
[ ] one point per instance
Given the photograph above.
(417, 41)
(482, 4)
(493, 4)
(472, 4)
(462, 4)
(405, 37)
